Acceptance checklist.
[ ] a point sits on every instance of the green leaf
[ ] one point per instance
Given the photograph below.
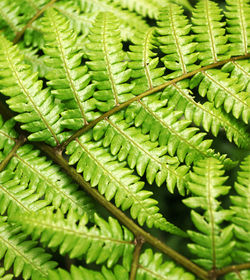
(118, 273)
(108, 68)
(143, 62)
(176, 41)
(7, 137)
(38, 177)
(237, 18)
(36, 107)
(210, 32)
(68, 79)
(222, 90)
(106, 242)
(142, 154)
(213, 245)
(116, 181)
(241, 208)
(152, 266)
(206, 115)
(26, 258)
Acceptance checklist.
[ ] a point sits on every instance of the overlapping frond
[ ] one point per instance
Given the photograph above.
(212, 244)
(210, 32)
(31, 6)
(37, 63)
(11, 20)
(150, 113)
(80, 22)
(105, 242)
(26, 258)
(38, 177)
(238, 22)
(130, 21)
(68, 79)
(15, 197)
(4, 275)
(241, 208)
(206, 115)
(176, 42)
(142, 7)
(147, 157)
(8, 137)
(240, 70)
(165, 124)
(36, 106)
(115, 180)
(143, 62)
(223, 91)
(243, 274)
(152, 266)
(76, 273)
(107, 63)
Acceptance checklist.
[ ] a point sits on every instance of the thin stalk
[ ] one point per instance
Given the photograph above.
(36, 16)
(57, 157)
(232, 268)
(139, 242)
(146, 93)
(19, 142)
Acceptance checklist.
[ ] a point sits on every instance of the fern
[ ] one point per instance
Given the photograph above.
(109, 110)
(23, 254)
(240, 219)
(206, 183)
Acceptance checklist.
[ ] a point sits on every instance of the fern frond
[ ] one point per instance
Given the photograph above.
(147, 157)
(80, 22)
(4, 276)
(11, 20)
(210, 118)
(176, 41)
(37, 63)
(7, 137)
(237, 17)
(39, 177)
(16, 198)
(130, 22)
(212, 244)
(151, 266)
(77, 273)
(23, 255)
(210, 32)
(165, 125)
(241, 71)
(108, 68)
(36, 107)
(30, 6)
(223, 90)
(142, 7)
(184, 3)
(243, 274)
(105, 242)
(68, 79)
(241, 208)
(115, 180)
(145, 73)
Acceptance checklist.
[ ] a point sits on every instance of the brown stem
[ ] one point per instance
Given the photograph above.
(133, 227)
(36, 16)
(232, 268)
(20, 141)
(146, 93)
(139, 242)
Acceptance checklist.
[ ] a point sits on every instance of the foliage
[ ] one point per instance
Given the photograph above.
(103, 102)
